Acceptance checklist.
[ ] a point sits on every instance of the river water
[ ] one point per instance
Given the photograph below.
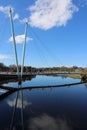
(60, 108)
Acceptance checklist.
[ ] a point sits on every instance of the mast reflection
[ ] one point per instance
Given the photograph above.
(18, 93)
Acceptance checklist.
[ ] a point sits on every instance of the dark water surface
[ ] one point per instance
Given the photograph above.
(62, 108)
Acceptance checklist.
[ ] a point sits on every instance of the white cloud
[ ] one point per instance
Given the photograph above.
(19, 103)
(16, 16)
(19, 39)
(6, 11)
(24, 20)
(3, 57)
(46, 14)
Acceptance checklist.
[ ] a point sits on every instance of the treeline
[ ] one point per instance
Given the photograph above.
(64, 69)
(29, 69)
(13, 68)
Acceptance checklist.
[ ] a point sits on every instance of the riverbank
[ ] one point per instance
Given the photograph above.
(75, 76)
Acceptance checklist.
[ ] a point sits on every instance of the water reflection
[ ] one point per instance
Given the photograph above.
(85, 85)
(41, 122)
(11, 103)
(44, 81)
(14, 79)
(46, 122)
(62, 108)
(17, 103)
(13, 116)
(63, 76)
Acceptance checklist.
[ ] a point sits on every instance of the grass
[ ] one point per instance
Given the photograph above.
(75, 76)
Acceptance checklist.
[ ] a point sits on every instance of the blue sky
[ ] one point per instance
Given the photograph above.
(57, 32)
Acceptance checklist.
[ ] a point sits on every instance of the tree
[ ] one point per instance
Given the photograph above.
(2, 67)
(12, 68)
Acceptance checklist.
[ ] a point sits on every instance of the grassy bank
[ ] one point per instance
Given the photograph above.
(75, 76)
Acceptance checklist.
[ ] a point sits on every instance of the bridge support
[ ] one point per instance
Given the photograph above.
(24, 47)
(23, 53)
(13, 35)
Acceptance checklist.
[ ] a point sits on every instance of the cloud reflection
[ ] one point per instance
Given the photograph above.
(19, 103)
(46, 122)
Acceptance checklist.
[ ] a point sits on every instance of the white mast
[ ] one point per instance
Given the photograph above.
(13, 35)
(24, 47)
